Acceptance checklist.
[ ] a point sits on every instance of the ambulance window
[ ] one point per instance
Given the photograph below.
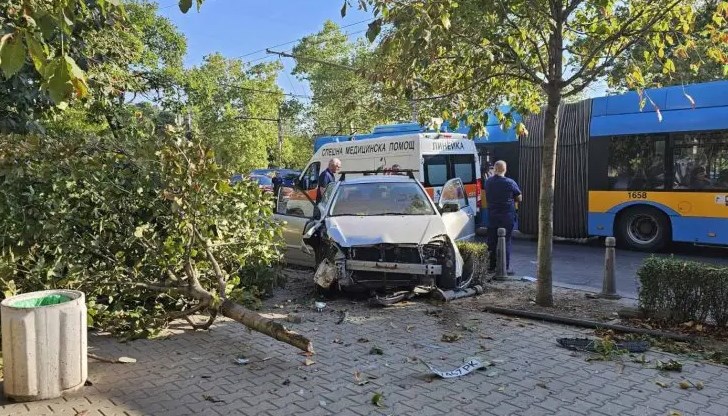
(435, 170)
(310, 178)
(464, 167)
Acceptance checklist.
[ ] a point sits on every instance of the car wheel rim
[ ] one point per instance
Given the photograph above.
(643, 229)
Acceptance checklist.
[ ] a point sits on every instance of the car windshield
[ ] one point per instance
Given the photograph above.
(261, 172)
(371, 199)
(262, 180)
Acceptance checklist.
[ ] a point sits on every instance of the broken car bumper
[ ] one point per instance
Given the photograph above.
(403, 268)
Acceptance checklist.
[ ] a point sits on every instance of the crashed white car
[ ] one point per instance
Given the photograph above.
(379, 233)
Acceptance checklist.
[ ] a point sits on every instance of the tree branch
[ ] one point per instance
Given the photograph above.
(618, 34)
(573, 5)
(528, 39)
(221, 278)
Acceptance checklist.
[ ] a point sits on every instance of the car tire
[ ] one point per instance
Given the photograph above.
(643, 228)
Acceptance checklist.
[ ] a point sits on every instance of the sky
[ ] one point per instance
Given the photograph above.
(245, 28)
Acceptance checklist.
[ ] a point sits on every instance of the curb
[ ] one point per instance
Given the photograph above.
(517, 235)
(586, 324)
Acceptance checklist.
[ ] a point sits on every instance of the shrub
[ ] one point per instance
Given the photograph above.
(475, 258)
(679, 291)
(149, 230)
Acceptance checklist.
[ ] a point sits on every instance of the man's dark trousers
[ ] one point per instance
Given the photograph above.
(494, 223)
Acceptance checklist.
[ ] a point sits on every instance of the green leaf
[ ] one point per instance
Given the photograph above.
(12, 54)
(58, 80)
(46, 23)
(445, 20)
(185, 5)
(37, 52)
(78, 77)
(377, 399)
(373, 30)
(669, 65)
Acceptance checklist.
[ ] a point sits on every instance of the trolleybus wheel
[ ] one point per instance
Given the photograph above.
(643, 229)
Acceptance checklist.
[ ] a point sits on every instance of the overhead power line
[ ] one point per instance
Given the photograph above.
(274, 92)
(314, 43)
(300, 39)
(308, 58)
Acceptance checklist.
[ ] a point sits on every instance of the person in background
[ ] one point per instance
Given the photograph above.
(699, 178)
(277, 182)
(327, 176)
(501, 193)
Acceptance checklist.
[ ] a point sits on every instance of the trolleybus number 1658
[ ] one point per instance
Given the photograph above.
(637, 195)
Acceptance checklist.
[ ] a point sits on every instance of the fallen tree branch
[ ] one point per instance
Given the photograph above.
(265, 326)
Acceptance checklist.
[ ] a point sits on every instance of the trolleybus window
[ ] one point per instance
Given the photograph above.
(700, 161)
(637, 163)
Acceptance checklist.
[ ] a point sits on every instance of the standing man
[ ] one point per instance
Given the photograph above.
(501, 194)
(326, 177)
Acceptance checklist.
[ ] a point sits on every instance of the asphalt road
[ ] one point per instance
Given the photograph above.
(581, 266)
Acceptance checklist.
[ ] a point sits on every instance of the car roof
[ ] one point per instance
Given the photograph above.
(378, 179)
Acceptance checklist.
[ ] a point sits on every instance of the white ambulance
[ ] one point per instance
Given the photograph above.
(435, 158)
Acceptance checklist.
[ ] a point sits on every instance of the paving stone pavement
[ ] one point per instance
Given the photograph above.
(531, 374)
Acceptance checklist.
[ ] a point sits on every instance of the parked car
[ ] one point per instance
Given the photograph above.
(378, 233)
(265, 183)
(288, 176)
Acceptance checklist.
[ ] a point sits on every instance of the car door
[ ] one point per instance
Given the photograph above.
(294, 210)
(460, 224)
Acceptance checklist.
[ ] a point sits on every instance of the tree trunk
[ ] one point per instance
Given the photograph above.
(265, 326)
(544, 292)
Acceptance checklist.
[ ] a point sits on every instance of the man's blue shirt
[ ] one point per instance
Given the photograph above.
(500, 194)
(325, 178)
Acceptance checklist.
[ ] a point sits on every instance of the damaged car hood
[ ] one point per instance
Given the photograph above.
(369, 230)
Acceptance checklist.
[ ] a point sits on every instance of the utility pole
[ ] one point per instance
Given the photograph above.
(280, 136)
(415, 111)
(279, 122)
(188, 123)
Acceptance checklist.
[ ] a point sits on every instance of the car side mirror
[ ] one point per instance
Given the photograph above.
(450, 207)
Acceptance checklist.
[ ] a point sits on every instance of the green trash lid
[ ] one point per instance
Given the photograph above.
(43, 300)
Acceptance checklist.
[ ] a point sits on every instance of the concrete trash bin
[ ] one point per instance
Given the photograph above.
(44, 344)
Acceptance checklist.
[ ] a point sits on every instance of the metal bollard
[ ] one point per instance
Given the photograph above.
(500, 265)
(609, 285)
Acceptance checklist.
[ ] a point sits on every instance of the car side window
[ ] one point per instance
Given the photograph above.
(454, 192)
(294, 202)
(327, 193)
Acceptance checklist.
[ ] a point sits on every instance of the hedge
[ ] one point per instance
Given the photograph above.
(678, 291)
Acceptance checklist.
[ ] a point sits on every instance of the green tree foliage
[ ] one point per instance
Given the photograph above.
(234, 108)
(46, 35)
(110, 197)
(139, 55)
(297, 143)
(150, 231)
(473, 55)
(693, 59)
(44, 39)
(344, 100)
